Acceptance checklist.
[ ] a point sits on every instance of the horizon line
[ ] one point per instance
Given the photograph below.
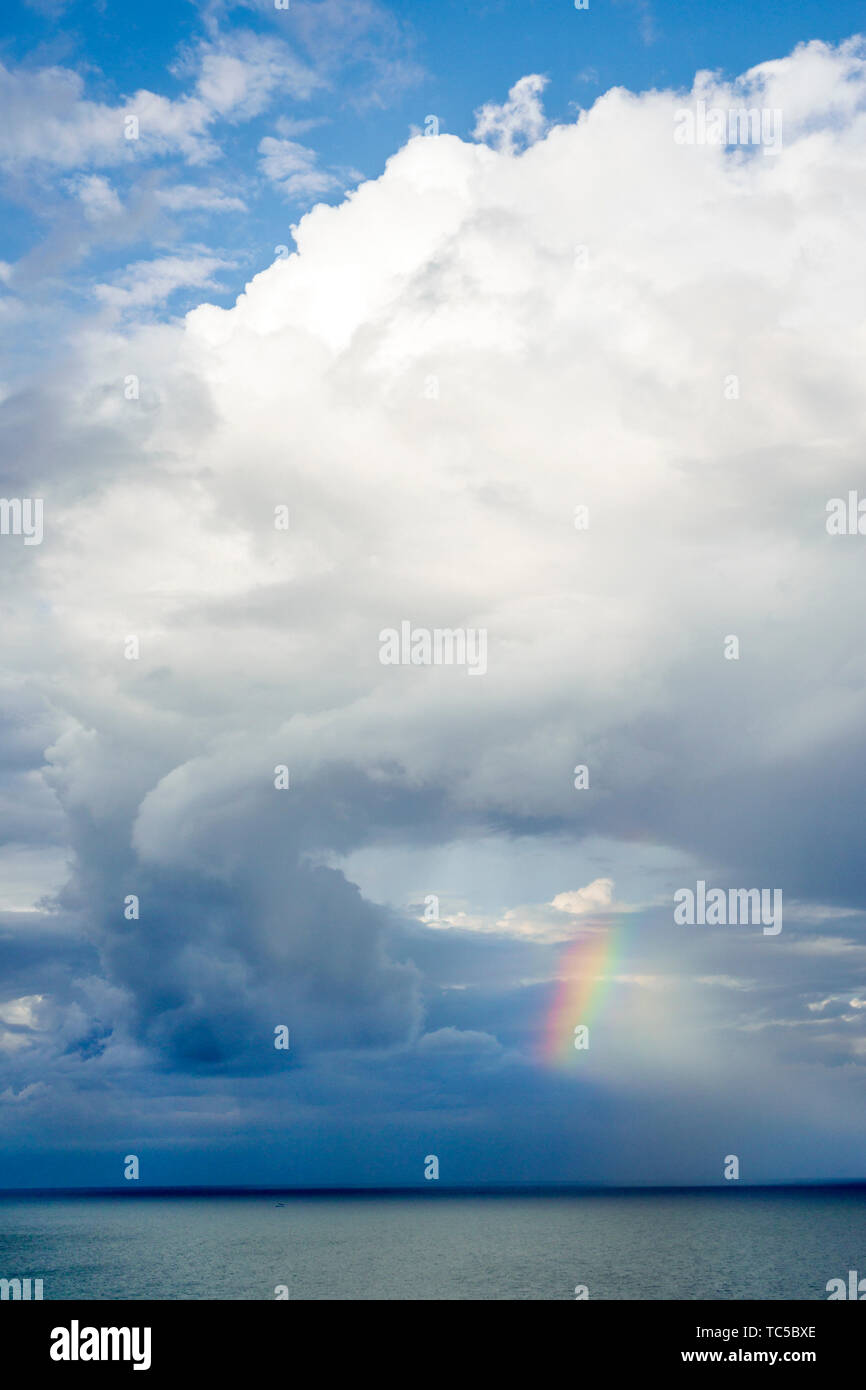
(454, 1189)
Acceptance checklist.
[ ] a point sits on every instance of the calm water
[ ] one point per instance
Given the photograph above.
(731, 1244)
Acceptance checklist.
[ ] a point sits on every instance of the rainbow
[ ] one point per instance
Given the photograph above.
(585, 971)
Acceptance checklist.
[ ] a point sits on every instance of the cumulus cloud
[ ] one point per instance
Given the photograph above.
(519, 119)
(594, 897)
(562, 919)
(454, 360)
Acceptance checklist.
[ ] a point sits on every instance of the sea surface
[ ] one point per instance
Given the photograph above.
(730, 1244)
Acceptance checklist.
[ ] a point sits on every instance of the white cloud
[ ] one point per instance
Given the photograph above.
(190, 197)
(595, 897)
(457, 1041)
(239, 74)
(97, 197)
(293, 167)
(49, 121)
(150, 282)
(22, 1013)
(290, 127)
(519, 119)
(557, 921)
(459, 262)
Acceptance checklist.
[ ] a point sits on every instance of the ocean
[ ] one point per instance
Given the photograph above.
(729, 1244)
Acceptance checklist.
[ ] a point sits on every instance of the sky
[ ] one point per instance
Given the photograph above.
(328, 325)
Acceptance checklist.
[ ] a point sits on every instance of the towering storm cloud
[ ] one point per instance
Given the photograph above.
(589, 390)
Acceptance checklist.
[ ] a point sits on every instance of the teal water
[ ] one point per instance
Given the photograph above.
(728, 1244)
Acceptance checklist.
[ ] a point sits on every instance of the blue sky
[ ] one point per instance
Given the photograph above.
(554, 304)
(373, 78)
